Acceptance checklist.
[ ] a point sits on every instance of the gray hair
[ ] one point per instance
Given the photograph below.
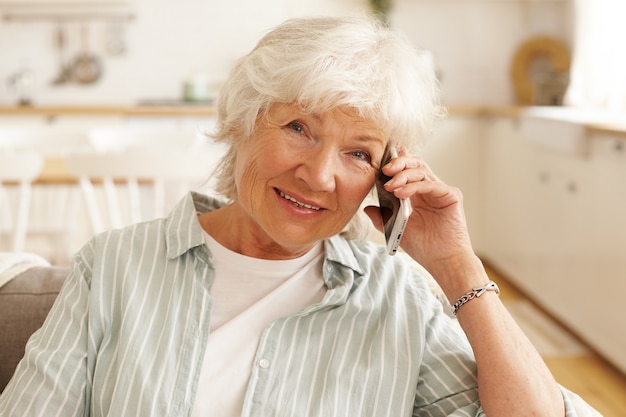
(320, 63)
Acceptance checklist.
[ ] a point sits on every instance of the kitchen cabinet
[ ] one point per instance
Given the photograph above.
(534, 201)
(553, 221)
(454, 154)
(605, 285)
(504, 194)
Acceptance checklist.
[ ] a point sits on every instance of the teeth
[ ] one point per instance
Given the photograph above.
(296, 202)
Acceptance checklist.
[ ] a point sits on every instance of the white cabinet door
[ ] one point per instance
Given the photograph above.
(603, 288)
(555, 223)
(505, 197)
(534, 199)
(555, 261)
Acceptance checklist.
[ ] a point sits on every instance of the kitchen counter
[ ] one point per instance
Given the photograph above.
(592, 125)
(202, 109)
(617, 129)
(591, 122)
(485, 110)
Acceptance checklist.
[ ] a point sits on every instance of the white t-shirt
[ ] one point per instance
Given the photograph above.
(249, 294)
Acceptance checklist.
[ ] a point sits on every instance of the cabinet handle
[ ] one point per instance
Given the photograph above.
(572, 187)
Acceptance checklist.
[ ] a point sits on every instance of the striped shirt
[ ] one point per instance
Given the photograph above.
(128, 333)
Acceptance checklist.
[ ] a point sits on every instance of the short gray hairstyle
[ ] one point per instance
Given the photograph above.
(320, 63)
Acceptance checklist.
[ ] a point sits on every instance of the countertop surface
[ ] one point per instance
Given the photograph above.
(592, 124)
(182, 108)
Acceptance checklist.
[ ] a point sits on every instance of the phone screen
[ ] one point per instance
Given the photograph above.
(395, 212)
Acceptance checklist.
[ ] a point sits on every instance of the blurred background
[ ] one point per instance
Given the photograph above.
(107, 102)
(149, 49)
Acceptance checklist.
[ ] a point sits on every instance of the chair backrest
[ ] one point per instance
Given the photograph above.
(121, 138)
(50, 226)
(47, 140)
(17, 172)
(20, 166)
(138, 185)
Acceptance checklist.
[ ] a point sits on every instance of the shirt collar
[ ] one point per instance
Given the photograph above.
(183, 230)
(341, 251)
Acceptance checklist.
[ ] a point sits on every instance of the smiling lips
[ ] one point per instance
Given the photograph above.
(296, 202)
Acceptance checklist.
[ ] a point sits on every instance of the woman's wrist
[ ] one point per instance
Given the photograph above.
(457, 276)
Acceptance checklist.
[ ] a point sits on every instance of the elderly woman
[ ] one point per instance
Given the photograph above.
(269, 302)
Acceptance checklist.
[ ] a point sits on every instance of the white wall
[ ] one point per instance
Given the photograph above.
(473, 41)
(169, 40)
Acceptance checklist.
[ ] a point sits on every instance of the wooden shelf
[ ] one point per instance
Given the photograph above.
(149, 110)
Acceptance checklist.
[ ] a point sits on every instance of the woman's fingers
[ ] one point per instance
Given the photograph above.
(412, 177)
(406, 170)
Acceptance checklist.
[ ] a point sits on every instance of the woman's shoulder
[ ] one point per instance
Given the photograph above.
(140, 239)
(148, 232)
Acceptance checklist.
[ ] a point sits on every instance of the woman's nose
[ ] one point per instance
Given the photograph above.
(319, 170)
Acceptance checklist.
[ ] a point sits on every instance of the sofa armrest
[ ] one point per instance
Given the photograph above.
(24, 304)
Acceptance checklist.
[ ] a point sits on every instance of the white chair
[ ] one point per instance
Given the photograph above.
(138, 185)
(50, 226)
(49, 140)
(17, 173)
(120, 138)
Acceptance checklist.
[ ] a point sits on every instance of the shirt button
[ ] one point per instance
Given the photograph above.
(264, 363)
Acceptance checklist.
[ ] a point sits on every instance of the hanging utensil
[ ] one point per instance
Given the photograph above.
(64, 73)
(115, 44)
(87, 67)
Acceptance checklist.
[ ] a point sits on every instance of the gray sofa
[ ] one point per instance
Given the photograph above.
(24, 305)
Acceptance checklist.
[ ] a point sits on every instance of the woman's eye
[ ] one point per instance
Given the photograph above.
(296, 127)
(362, 155)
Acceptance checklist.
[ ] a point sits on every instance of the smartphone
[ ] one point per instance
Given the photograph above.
(395, 212)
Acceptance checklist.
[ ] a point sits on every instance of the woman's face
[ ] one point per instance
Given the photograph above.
(302, 177)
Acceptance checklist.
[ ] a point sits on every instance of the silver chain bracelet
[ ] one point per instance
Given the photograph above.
(475, 293)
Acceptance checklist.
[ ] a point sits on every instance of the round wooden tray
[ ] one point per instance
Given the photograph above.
(537, 48)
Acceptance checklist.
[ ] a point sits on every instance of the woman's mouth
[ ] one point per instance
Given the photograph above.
(296, 202)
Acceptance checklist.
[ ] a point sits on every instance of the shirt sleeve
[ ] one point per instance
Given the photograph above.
(447, 384)
(52, 377)
(575, 406)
